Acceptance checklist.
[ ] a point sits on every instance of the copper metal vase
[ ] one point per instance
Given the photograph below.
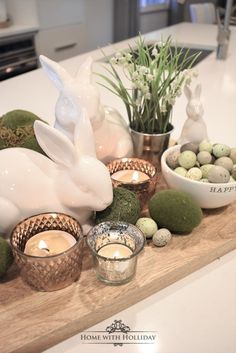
(150, 146)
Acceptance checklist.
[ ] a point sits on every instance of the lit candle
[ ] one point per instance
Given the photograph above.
(130, 176)
(115, 251)
(51, 242)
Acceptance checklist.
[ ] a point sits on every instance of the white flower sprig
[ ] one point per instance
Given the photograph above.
(157, 76)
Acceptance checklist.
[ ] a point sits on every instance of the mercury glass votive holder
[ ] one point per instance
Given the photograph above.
(52, 272)
(144, 189)
(117, 270)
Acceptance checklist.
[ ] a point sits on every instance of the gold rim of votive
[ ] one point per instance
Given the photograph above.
(137, 164)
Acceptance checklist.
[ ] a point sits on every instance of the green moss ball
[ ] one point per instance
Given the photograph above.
(16, 130)
(6, 256)
(147, 225)
(124, 207)
(175, 210)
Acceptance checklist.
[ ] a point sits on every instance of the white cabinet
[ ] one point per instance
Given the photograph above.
(61, 42)
(61, 33)
(72, 27)
(54, 13)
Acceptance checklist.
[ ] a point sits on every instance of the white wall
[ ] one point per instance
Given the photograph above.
(23, 12)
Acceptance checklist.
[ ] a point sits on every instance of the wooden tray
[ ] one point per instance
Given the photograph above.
(33, 321)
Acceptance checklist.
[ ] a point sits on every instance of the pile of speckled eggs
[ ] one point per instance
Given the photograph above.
(149, 228)
(204, 162)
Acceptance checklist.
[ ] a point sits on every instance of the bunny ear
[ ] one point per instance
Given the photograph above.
(85, 71)
(83, 135)
(55, 144)
(57, 74)
(198, 91)
(188, 92)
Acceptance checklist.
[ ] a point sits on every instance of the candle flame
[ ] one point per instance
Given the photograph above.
(135, 176)
(43, 245)
(116, 254)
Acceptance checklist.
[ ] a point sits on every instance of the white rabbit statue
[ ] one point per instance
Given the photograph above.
(194, 129)
(112, 137)
(73, 181)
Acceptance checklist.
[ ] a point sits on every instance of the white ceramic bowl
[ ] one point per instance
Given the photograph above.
(207, 195)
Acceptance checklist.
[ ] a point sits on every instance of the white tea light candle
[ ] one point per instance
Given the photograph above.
(48, 243)
(115, 251)
(130, 176)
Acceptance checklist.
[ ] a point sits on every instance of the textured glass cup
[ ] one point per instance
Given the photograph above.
(52, 272)
(115, 270)
(143, 189)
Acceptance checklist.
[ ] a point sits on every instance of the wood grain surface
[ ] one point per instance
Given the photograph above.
(32, 321)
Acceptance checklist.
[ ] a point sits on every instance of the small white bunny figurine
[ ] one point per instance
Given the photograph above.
(194, 129)
(112, 137)
(73, 181)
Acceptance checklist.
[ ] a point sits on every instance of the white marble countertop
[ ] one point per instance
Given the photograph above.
(198, 313)
(218, 79)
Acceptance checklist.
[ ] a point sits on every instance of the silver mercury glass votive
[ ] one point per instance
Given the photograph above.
(115, 247)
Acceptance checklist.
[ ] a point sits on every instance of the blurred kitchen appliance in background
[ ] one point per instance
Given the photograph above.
(17, 55)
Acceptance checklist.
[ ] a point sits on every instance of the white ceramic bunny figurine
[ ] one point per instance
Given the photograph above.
(194, 129)
(73, 181)
(112, 137)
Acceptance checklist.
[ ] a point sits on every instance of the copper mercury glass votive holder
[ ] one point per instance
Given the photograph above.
(116, 270)
(52, 272)
(144, 189)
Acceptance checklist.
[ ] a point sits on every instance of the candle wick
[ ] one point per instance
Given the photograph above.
(45, 249)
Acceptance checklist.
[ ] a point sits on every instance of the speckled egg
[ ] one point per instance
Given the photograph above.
(187, 159)
(204, 157)
(221, 150)
(233, 154)
(205, 146)
(233, 171)
(204, 180)
(205, 170)
(225, 162)
(172, 159)
(218, 174)
(194, 174)
(147, 225)
(190, 146)
(181, 171)
(161, 237)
